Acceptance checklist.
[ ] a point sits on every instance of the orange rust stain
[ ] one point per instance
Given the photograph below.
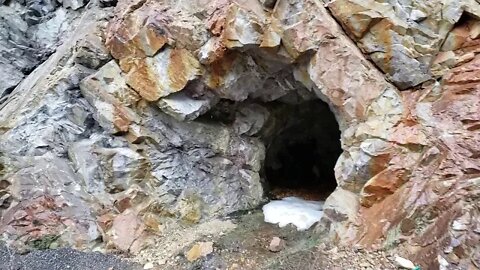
(178, 68)
(127, 63)
(388, 209)
(381, 185)
(105, 221)
(351, 17)
(360, 109)
(124, 39)
(410, 100)
(121, 42)
(121, 120)
(216, 27)
(116, 47)
(379, 163)
(383, 31)
(464, 74)
(216, 22)
(142, 81)
(155, 40)
(219, 52)
(220, 68)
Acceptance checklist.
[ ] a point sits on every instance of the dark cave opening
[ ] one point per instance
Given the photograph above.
(301, 154)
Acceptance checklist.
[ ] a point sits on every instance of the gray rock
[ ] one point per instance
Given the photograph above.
(38, 10)
(183, 107)
(27, 40)
(16, 53)
(341, 205)
(86, 164)
(242, 79)
(250, 119)
(62, 118)
(73, 4)
(108, 3)
(205, 164)
(107, 164)
(42, 117)
(417, 15)
(278, 85)
(12, 77)
(91, 51)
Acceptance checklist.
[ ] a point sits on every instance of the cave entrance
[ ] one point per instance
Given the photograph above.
(302, 152)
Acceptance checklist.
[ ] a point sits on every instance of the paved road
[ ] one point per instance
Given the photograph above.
(61, 259)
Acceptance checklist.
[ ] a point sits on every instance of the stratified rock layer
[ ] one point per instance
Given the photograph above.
(168, 130)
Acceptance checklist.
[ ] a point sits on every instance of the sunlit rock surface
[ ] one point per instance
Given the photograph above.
(168, 131)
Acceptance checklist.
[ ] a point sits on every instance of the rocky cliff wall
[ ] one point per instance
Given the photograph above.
(126, 127)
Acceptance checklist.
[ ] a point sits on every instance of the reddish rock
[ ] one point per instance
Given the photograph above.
(277, 244)
(127, 232)
(381, 185)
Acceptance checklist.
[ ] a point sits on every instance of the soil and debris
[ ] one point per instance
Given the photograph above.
(247, 242)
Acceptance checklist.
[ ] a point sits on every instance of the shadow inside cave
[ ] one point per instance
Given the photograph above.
(302, 152)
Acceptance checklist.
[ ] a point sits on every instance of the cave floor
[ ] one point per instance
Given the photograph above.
(245, 245)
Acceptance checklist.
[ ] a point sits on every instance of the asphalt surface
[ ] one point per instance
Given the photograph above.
(61, 259)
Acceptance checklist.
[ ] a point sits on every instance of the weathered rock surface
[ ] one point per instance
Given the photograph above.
(168, 131)
(29, 32)
(167, 72)
(402, 37)
(111, 98)
(49, 207)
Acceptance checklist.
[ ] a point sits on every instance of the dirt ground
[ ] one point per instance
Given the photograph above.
(242, 242)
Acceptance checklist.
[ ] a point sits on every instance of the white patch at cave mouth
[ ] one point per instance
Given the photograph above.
(292, 210)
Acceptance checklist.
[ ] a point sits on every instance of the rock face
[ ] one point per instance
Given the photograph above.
(168, 130)
(29, 32)
(402, 37)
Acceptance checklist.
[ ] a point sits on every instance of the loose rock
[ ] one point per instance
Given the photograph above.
(201, 249)
(277, 244)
